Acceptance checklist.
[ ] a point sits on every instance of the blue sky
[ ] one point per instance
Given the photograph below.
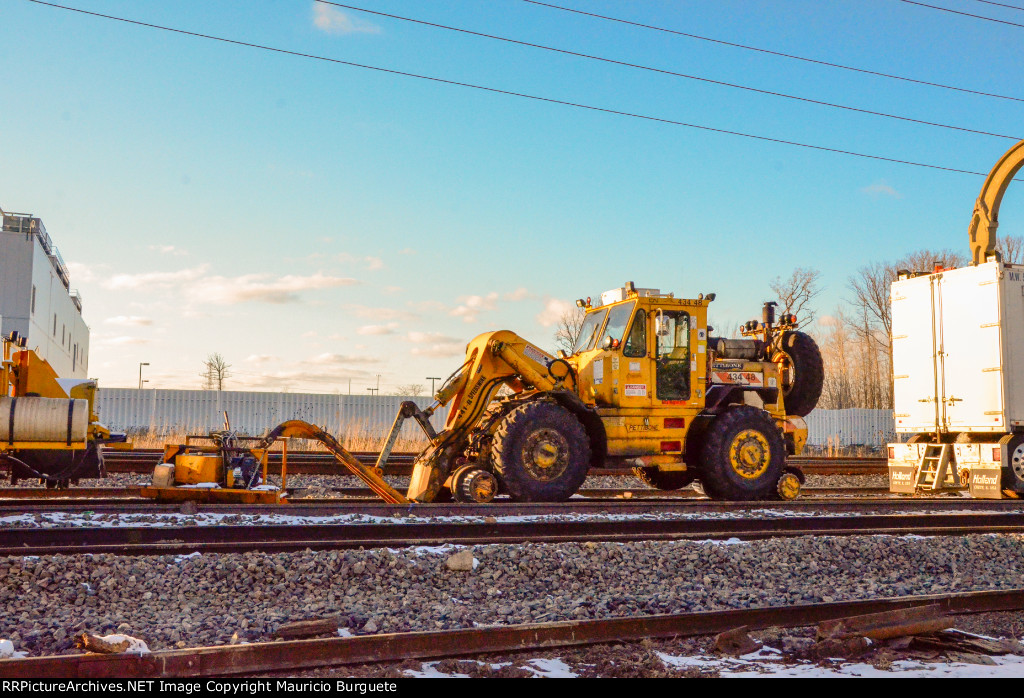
(317, 223)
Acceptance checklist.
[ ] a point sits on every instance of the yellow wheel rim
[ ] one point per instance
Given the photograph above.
(749, 454)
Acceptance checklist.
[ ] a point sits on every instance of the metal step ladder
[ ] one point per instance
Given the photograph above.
(936, 470)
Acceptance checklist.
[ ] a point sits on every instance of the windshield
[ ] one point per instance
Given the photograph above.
(617, 319)
(588, 333)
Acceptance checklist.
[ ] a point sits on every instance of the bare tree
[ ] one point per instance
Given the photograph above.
(215, 373)
(1012, 248)
(872, 316)
(796, 293)
(409, 390)
(568, 329)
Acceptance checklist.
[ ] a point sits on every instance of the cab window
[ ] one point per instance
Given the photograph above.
(588, 333)
(618, 316)
(636, 341)
(673, 355)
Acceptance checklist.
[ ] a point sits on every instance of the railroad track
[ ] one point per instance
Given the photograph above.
(335, 506)
(297, 655)
(273, 538)
(11, 495)
(322, 463)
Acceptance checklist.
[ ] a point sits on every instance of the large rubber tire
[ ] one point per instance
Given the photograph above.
(807, 373)
(1013, 470)
(541, 453)
(744, 455)
(659, 480)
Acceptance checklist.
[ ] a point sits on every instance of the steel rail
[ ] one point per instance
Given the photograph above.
(375, 507)
(342, 493)
(297, 655)
(322, 463)
(168, 540)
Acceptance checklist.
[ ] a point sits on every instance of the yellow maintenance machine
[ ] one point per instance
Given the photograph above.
(646, 386)
(48, 425)
(233, 468)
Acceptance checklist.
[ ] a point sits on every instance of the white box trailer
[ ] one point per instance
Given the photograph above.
(958, 379)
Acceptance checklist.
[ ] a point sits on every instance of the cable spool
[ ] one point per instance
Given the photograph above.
(43, 419)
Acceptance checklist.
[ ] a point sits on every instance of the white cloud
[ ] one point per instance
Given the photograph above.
(472, 306)
(260, 358)
(383, 313)
(439, 345)
(128, 321)
(154, 279)
(881, 188)
(426, 337)
(122, 341)
(554, 309)
(264, 288)
(378, 329)
(519, 294)
(440, 351)
(407, 250)
(828, 321)
(339, 360)
(82, 272)
(334, 21)
(368, 263)
(169, 249)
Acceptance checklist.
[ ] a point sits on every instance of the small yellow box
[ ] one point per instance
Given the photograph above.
(193, 469)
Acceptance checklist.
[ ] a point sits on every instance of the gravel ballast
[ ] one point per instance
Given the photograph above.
(178, 601)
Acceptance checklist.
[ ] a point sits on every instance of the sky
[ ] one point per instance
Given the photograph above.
(320, 224)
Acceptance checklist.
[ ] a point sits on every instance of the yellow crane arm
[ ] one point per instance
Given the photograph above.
(986, 210)
(304, 430)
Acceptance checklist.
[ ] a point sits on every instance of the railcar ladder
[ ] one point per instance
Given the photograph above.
(935, 470)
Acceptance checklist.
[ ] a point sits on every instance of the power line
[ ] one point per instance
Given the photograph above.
(668, 72)
(774, 53)
(958, 12)
(495, 90)
(1000, 4)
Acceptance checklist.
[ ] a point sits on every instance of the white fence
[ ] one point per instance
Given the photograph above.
(199, 411)
(854, 427)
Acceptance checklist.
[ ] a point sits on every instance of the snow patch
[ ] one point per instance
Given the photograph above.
(551, 669)
(135, 645)
(7, 651)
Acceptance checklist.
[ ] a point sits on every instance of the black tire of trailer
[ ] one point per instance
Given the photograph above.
(1013, 470)
(532, 433)
(728, 437)
(801, 396)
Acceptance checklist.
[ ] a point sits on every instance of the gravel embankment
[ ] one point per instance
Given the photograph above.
(201, 600)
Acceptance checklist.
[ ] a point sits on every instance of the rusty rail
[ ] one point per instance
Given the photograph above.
(321, 463)
(297, 655)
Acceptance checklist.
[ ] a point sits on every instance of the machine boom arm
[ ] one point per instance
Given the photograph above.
(986, 210)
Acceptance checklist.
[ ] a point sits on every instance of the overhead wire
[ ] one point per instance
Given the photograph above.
(1001, 4)
(965, 14)
(494, 90)
(664, 71)
(770, 52)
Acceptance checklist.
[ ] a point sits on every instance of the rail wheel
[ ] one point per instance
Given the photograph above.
(471, 483)
(803, 372)
(661, 480)
(744, 455)
(541, 453)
